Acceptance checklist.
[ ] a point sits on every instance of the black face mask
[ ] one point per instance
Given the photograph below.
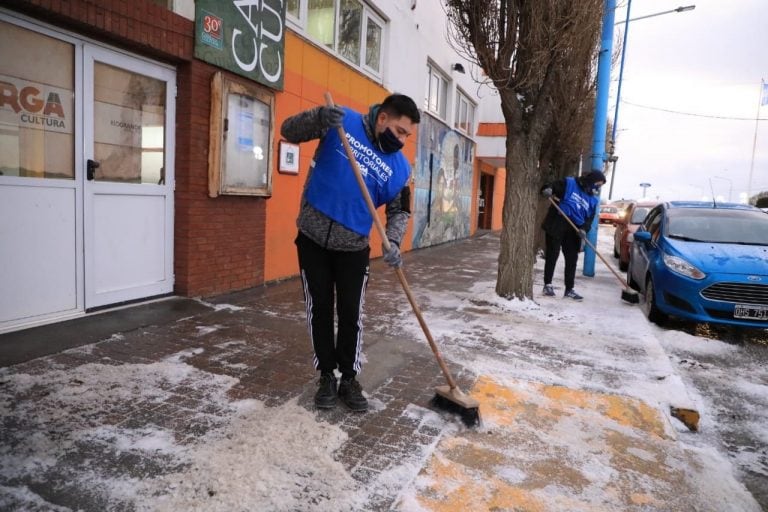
(388, 142)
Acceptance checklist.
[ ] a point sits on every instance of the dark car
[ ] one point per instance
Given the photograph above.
(636, 213)
(702, 262)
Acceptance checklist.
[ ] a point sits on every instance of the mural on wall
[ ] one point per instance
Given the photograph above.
(443, 184)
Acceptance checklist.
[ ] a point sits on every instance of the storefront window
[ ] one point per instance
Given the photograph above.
(36, 105)
(129, 120)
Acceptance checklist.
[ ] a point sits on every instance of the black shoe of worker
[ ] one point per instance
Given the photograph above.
(351, 394)
(325, 398)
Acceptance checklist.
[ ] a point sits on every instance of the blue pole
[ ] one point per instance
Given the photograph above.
(598, 156)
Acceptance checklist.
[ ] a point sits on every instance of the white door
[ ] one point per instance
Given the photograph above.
(129, 116)
(41, 251)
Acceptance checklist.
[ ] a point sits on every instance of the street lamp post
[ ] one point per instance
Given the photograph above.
(612, 145)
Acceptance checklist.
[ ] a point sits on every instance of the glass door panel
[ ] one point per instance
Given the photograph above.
(129, 121)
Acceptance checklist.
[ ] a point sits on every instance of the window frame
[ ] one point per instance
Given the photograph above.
(369, 13)
(463, 98)
(442, 102)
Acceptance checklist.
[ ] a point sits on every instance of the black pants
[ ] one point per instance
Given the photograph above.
(570, 243)
(325, 274)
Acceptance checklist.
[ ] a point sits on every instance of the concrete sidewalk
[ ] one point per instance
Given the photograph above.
(199, 412)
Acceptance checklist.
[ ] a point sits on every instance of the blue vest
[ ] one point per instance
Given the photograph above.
(577, 204)
(333, 188)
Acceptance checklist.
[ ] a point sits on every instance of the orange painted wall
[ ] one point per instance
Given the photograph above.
(473, 220)
(499, 182)
(499, 179)
(309, 73)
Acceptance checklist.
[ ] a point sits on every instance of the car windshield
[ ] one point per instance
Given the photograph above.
(608, 209)
(719, 225)
(638, 215)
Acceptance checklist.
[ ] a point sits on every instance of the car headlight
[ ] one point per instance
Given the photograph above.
(679, 265)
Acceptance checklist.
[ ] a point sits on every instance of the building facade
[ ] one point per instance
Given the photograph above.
(140, 153)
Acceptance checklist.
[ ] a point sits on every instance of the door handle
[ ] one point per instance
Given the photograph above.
(91, 167)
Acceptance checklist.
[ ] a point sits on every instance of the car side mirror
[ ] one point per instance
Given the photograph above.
(642, 236)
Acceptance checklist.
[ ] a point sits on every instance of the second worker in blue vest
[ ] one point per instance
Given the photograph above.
(578, 198)
(334, 224)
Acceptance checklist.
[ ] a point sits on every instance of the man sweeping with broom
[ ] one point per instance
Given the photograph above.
(578, 199)
(334, 224)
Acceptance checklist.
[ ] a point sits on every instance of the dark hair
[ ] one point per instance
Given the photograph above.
(398, 105)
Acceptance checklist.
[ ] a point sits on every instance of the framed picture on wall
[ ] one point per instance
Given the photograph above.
(241, 133)
(289, 158)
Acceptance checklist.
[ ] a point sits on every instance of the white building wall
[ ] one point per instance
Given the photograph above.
(491, 146)
(418, 35)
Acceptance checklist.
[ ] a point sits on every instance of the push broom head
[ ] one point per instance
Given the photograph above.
(453, 400)
(630, 296)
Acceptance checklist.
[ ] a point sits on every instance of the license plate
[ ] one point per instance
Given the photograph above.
(748, 312)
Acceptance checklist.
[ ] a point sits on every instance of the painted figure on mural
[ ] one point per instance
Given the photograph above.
(447, 219)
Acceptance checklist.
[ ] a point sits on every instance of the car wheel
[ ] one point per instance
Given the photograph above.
(616, 253)
(649, 305)
(623, 265)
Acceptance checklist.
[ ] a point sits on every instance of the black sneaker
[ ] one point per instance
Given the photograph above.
(571, 294)
(351, 394)
(325, 398)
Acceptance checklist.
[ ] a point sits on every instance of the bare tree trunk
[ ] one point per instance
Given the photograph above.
(517, 253)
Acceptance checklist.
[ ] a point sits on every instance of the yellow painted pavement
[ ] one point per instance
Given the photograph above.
(544, 448)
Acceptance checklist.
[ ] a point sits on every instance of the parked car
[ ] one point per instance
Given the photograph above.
(609, 214)
(635, 215)
(702, 262)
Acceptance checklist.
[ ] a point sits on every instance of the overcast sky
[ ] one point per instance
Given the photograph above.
(708, 62)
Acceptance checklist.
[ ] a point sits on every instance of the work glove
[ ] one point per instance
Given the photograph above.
(392, 256)
(582, 237)
(331, 117)
(547, 192)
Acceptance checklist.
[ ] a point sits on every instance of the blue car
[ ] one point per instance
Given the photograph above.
(702, 262)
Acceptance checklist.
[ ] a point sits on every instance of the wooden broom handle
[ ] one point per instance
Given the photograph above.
(586, 240)
(383, 232)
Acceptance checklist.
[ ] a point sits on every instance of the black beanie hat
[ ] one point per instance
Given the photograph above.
(588, 180)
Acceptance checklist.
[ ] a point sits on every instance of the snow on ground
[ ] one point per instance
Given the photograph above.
(731, 383)
(256, 458)
(280, 458)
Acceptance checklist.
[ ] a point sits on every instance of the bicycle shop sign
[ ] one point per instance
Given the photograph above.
(246, 37)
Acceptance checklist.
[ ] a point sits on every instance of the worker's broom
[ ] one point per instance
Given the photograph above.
(450, 397)
(627, 294)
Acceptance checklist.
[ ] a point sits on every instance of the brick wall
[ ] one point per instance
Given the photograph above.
(137, 25)
(219, 243)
